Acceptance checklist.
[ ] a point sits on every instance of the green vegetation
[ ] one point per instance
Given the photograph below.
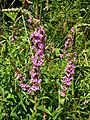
(56, 17)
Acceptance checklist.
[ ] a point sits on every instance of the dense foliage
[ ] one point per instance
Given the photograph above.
(25, 62)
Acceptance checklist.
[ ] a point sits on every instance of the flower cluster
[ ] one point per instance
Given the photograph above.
(69, 42)
(14, 36)
(38, 48)
(33, 23)
(30, 20)
(70, 67)
(24, 86)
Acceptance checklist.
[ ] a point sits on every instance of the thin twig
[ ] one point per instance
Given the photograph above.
(44, 116)
(47, 4)
(11, 10)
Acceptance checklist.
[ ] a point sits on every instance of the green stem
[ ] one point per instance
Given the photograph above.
(35, 100)
(26, 33)
(86, 58)
(58, 98)
(37, 10)
(73, 87)
(41, 8)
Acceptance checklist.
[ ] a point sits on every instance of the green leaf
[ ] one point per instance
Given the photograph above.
(11, 97)
(24, 107)
(32, 101)
(2, 115)
(2, 91)
(14, 115)
(62, 100)
(11, 15)
(57, 51)
(14, 108)
(42, 108)
(32, 111)
(58, 110)
(45, 97)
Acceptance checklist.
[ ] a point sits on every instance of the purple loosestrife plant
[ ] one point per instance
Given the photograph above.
(38, 52)
(70, 67)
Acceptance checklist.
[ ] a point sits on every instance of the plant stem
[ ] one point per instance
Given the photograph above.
(44, 116)
(58, 98)
(47, 1)
(11, 10)
(72, 87)
(41, 9)
(26, 33)
(37, 10)
(85, 56)
(35, 99)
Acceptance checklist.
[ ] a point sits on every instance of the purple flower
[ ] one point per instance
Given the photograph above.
(36, 41)
(44, 39)
(30, 20)
(32, 35)
(33, 47)
(39, 52)
(75, 54)
(68, 54)
(37, 59)
(69, 41)
(29, 90)
(67, 80)
(13, 40)
(35, 80)
(38, 35)
(19, 75)
(37, 20)
(66, 44)
(70, 67)
(41, 62)
(41, 46)
(35, 88)
(24, 78)
(62, 93)
(69, 59)
(75, 59)
(63, 87)
(61, 56)
(72, 30)
(14, 37)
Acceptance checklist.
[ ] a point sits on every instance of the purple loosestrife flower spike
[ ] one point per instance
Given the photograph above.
(38, 52)
(70, 67)
(38, 41)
